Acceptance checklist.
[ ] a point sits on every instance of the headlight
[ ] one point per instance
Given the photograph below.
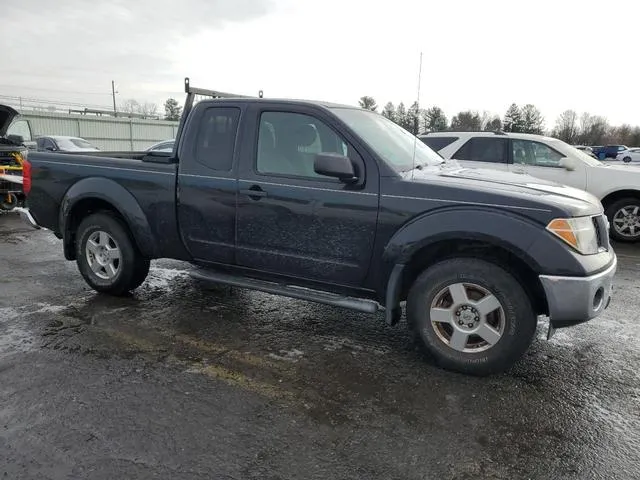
(579, 232)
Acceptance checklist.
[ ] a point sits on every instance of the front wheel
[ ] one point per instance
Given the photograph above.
(624, 219)
(472, 316)
(626, 159)
(107, 257)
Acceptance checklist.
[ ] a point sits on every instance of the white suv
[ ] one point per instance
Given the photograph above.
(617, 186)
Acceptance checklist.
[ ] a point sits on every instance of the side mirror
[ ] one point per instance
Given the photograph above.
(335, 165)
(568, 163)
(16, 139)
(49, 148)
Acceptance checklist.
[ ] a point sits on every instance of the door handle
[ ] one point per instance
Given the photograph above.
(255, 192)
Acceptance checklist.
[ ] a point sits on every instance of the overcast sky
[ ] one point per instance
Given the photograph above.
(477, 54)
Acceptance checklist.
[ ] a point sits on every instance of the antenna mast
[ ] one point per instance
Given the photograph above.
(415, 138)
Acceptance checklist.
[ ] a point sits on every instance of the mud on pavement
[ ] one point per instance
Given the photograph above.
(184, 380)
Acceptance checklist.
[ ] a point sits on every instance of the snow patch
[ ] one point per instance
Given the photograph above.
(162, 277)
(288, 355)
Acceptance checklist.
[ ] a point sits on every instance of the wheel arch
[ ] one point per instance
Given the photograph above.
(496, 236)
(91, 195)
(616, 195)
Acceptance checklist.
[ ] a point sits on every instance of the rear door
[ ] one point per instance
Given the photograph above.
(207, 184)
(293, 221)
(485, 152)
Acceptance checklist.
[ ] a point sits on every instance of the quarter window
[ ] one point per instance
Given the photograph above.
(438, 143)
(484, 149)
(289, 142)
(216, 138)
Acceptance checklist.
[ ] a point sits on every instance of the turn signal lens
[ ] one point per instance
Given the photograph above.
(579, 232)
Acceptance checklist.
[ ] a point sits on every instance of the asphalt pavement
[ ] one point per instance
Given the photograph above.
(187, 381)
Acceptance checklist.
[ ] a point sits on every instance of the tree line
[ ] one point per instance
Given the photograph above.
(575, 129)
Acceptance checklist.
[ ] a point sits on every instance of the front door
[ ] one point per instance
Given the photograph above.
(542, 161)
(293, 221)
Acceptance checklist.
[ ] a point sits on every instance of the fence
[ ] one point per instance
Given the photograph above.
(106, 133)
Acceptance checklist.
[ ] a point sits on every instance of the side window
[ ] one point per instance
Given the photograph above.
(216, 138)
(535, 153)
(484, 149)
(288, 143)
(438, 143)
(22, 128)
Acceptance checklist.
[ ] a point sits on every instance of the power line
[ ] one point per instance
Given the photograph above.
(53, 90)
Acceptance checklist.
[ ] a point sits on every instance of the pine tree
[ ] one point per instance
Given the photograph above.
(513, 119)
(532, 120)
(389, 111)
(368, 103)
(434, 120)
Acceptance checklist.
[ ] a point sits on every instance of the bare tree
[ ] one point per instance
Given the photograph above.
(566, 128)
(130, 106)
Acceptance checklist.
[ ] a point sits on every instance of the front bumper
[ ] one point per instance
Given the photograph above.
(574, 300)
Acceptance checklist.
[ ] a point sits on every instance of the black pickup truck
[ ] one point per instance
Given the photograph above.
(337, 205)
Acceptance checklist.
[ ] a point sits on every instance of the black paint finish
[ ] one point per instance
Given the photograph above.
(318, 232)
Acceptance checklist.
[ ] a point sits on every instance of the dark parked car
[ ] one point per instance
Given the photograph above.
(337, 205)
(62, 143)
(609, 151)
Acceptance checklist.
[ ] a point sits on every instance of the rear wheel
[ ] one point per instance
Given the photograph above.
(472, 316)
(624, 219)
(626, 159)
(107, 257)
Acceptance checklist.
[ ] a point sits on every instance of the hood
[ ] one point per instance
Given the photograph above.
(522, 187)
(7, 114)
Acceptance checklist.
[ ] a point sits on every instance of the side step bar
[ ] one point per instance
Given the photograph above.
(358, 304)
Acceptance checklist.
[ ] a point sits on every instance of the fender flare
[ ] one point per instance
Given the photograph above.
(513, 233)
(120, 199)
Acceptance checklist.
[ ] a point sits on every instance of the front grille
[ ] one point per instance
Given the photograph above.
(602, 231)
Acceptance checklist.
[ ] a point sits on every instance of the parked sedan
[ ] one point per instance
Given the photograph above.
(631, 155)
(60, 143)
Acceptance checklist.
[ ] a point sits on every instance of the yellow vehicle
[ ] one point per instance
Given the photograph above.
(13, 155)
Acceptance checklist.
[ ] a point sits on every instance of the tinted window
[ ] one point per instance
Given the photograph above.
(288, 143)
(438, 143)
(216, 137)
(535, 153)
(484, 149)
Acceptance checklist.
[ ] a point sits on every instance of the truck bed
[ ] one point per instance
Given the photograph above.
(151, 184)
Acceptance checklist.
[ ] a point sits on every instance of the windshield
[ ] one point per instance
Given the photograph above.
(393, 143)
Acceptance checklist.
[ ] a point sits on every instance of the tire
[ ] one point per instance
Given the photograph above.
(101, 237)
(626, 159)
(513, 322)
(619, 230)
(9, 202)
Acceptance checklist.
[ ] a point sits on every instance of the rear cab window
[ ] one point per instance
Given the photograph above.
(215, 140)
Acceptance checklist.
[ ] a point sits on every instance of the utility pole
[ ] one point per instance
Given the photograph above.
(113, 94)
